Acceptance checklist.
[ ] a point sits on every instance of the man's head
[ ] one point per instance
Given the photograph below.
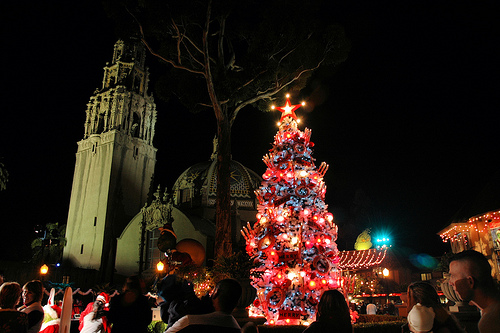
(102, 298)
(470, 271)
(98, 306)
(135, 284)
(226, 295)
(10, 293)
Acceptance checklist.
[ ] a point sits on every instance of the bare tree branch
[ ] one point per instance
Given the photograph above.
(192, 56)
(220, 46)
(271, 91)
(179, 41)
(208, 73)
(250, 81)
(171, 62)
(183, 36)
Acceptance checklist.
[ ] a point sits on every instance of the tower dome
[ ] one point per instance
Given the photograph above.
(197, 185)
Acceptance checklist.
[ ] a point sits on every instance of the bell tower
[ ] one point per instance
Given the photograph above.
(115, 161)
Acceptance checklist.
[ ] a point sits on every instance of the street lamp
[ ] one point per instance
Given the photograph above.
(44, 269)
(385, 272)
(160, 267)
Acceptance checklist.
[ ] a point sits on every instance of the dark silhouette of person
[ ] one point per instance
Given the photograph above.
(224, 298)
(130, 311)
(333, 314)
(176, 298)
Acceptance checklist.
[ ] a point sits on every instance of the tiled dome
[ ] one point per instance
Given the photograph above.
(200, 181)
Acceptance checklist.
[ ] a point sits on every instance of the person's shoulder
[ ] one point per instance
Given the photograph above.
(450, 325)
(12, 313)
(490, 322)
(208, 329)
(496, 303)
(214, 321)
(180, 324)
(314, 327)
(493, 310)
(16, 318)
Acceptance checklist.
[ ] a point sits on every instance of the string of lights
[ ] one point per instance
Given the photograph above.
(352, 260)
(457, 232)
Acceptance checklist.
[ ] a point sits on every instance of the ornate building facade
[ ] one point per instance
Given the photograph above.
(115, 162)
(110, 228)
(476, 226)
(191, 208)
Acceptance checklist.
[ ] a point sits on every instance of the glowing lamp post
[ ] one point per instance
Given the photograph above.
(385, 274)
(160, 267)
(44, 270)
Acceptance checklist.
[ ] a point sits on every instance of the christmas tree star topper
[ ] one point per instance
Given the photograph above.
(288, 110)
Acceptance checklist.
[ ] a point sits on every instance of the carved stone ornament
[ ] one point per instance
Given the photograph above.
(158, 213)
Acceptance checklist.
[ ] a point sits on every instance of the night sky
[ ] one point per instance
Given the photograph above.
(408, 124)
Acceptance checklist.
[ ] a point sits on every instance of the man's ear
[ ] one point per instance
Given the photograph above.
(215, 294)
(471, 282)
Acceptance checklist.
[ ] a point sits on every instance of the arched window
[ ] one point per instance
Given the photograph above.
(136, 122)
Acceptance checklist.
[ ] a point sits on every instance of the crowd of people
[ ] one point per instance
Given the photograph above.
(130, 311)
(375, 308)
(470, 276)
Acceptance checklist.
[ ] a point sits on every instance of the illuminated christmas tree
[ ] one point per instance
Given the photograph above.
(293, 241)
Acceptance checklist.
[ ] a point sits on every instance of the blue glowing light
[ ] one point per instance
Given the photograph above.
(383, 241)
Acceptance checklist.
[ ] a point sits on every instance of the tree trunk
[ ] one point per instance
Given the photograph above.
(223, 246)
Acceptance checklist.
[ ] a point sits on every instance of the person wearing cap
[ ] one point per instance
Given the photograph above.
(427, 313)
(93, 318)
(421, 319)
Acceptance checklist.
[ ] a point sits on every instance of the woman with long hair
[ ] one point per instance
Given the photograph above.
(425, 307)
(333, 314)
(32, 299)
